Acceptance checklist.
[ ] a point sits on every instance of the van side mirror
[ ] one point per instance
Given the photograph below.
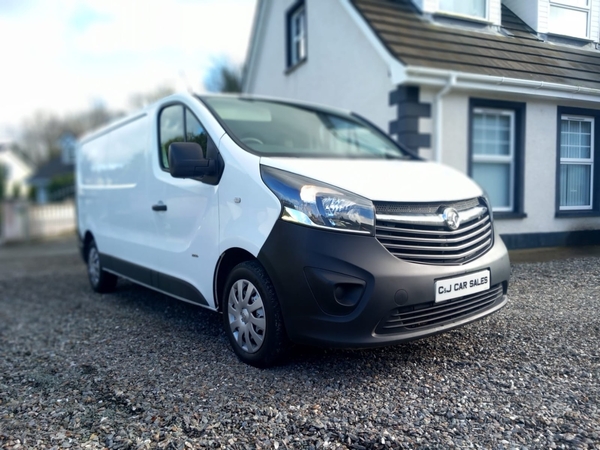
(186, 160)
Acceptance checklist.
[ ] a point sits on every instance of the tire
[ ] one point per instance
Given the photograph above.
(100, 280)
(252, 316)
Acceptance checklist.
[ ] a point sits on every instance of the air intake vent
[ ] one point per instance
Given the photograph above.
(423, 316)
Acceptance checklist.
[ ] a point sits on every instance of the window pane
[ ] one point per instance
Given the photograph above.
(491, 134)
(195, 131)
(171, 130)
(575, 183)
(495, 179)
(577, 141)
(297, 36)
(467, 7)
(567, 21)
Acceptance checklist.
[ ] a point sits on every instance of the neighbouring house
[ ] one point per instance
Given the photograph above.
(55, 180)
(17, 171)
(506, 91)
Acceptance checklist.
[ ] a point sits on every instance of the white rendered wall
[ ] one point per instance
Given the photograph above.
(342, 68)
(540, 174)
(540, 156)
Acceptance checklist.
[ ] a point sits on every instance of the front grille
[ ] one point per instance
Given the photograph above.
(424, 238)
(428, 315)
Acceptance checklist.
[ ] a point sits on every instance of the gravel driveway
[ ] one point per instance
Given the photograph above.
(135, 369)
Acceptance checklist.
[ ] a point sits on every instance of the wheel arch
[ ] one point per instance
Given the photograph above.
(88, 238)
(228, 260)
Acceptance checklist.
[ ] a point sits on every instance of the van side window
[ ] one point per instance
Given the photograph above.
(171, 130)
(194, 131)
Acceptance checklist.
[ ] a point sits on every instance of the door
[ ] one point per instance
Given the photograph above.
(185, 212)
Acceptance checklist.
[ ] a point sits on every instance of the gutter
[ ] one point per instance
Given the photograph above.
(435, 77)
(438, 116)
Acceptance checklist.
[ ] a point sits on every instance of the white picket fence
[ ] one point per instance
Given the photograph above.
(22, 220)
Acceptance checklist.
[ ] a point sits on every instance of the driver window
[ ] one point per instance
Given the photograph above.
(178, 124)
(171, 130)
(195, 132)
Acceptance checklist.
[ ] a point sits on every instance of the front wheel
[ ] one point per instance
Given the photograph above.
(252, 316)
(100, 280)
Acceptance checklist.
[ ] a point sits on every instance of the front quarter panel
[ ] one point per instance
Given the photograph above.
(248, 209)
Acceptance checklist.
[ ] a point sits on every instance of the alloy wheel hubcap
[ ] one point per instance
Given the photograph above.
(94, 266)
(246, 314)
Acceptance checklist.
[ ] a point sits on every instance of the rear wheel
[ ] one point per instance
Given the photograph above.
(100, 280)
(252, 316)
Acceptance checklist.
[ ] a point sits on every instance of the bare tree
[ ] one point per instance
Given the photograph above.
(41, 134)
(223, 76)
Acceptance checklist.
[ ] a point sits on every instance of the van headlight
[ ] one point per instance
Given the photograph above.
(310, 202)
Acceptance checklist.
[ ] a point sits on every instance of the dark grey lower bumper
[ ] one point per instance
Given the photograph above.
(340, 290)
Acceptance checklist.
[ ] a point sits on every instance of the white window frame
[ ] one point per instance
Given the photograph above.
(578, 161)
(500, 159)
(485, 18)
(564, 4)
(297, 35)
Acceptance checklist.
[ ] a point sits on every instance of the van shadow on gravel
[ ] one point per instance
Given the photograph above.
(204, 327)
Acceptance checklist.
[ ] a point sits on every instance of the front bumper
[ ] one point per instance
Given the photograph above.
(344, 290)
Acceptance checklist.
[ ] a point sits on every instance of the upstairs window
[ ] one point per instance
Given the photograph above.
(474, 8)
(296, 34)
(570, 18)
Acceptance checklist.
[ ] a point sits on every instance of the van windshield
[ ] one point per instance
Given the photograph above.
(273, 128)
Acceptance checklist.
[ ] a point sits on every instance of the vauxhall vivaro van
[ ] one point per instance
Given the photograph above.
(298, 223)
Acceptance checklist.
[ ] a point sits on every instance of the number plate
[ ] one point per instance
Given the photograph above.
(460, 286)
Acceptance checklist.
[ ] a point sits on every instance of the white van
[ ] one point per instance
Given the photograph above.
(299, 223)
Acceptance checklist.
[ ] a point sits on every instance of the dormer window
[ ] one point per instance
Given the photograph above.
(570, 18)
(472, 8)
(296, 34)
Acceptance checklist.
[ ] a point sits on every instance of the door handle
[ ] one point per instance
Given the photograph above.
(159, 207)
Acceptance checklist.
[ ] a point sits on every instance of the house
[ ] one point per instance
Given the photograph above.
(507, 91)
(55, 180)
(54, 171)
(17, 170)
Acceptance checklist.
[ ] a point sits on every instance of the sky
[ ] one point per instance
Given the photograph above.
(67, 55)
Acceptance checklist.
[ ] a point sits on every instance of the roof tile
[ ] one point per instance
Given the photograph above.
(515, 51)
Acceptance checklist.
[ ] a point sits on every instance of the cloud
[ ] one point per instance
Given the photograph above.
(146, 27)
(64, 55)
